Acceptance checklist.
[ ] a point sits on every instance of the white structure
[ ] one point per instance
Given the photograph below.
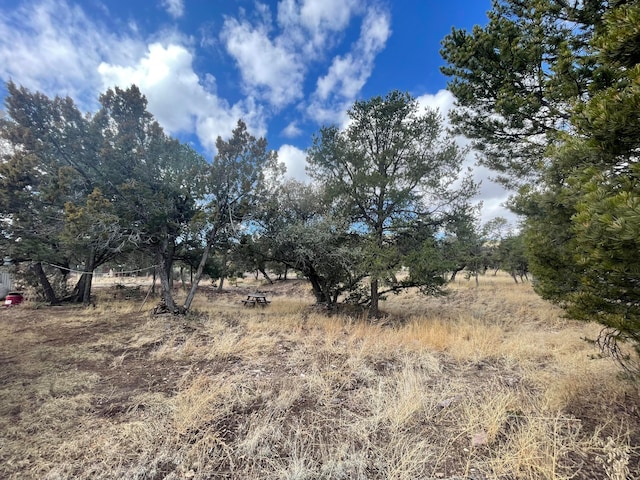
(6, 283)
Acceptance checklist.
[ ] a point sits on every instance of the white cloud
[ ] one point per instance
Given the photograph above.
(375, 32)
(295, 160)
(274, 62)
(292, 130)
(177, 98)
(491, 194)
(442, 100)
(53, 47)
(175, 8)
(331, 15)
(330, 113)
(269, 69)
(314, 23)
(348, 73)
(165, 76)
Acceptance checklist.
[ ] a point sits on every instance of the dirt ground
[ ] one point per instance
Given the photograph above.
(110, 391)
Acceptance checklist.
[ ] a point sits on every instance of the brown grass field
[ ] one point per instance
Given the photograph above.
(489, 382)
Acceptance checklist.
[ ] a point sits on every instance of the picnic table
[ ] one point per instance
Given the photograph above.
(256, 299)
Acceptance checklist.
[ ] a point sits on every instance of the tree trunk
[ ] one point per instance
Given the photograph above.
(334, 299)
(164, 264)
(167, 302)
(264, 273)
(86, 294)
(455, 272)
(317, 288)
(224, 271)
(49, 294)
(182, 282)
(82, 290)
(374, 311)
(211, 237)
(78, 291)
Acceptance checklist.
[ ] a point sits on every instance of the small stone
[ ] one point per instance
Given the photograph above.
(447, 402)
(480, 438)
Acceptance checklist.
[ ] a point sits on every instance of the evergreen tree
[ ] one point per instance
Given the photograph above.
(79, 190)
(606, 183)
(516, 79)
(238, 181)
(307, 233)
(572, 133)
(393, 170)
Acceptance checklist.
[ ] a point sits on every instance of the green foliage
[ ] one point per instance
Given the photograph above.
(607, 235)
(512, 257)
(583, 208)
(82, 189)
(238, 177)
(427, 267)
(51, 142)
(36, 177)
(326, 254)
(606, 223)
(391, 169)
(92, 226)
(516, 80)
(465, 245)
(241, 178)
(300, 229)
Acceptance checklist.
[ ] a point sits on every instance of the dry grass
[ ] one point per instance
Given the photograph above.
(486, 383)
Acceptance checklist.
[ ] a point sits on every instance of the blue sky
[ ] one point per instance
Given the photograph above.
(286, 67)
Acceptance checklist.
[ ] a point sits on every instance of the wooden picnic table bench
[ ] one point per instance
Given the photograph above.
(256, 299)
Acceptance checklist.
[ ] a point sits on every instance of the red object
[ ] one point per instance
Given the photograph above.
(12, 299)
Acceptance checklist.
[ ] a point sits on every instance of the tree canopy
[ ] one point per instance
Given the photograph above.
(516, 79)
(565, 121)
(240, 178)
(393, 170)
(81, 190)
(305, 230)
